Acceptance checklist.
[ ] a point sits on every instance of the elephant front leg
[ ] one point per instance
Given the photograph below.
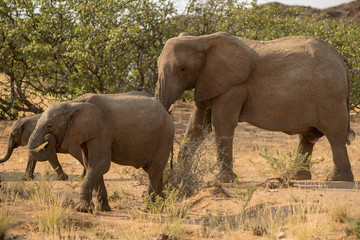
(57, 167)
(224, 144)
(97, 159)
(198, 127)
(224, 128)
(225, 116)
(29, 173)
(87, 187)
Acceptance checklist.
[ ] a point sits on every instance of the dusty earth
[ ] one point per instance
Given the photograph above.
(214, 211)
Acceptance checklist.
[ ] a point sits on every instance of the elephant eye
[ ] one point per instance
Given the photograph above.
(49, 127)
(183, 69)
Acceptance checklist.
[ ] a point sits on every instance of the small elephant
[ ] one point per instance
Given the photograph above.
(19, 136)
(297, 85)
(127, 129)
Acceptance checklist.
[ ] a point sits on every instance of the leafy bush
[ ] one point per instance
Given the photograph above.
(62, 49)
(353, 227)
(284, 166)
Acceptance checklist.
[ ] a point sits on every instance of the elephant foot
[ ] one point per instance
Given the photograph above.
(83, 206)
(341, 175)
(104, 207)
(27, 177)
(63, 177)
(302, 175)
(226, 176)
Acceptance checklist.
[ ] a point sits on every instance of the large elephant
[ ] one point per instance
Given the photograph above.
(297, 85)
(127, 129)
(19, 136)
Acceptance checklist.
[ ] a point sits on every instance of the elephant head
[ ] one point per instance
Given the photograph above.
(64, 126)
(211, 64)
(19, 134)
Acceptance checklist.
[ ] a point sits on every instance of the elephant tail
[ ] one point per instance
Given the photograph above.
(172, 157)
(350, 136)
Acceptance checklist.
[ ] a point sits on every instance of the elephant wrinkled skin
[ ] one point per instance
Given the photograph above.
(297, 85)
(128, 129)
(19, 136)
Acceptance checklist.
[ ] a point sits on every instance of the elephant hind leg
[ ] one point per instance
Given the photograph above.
(155, 173)
(155, 186)
(342, 168)
(337, 132)
(156, 169)
(307, 141)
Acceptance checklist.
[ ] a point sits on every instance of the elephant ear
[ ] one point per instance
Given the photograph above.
(228, 62)
(86, 121)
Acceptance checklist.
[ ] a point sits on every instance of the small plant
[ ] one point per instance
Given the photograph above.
(339, 213)
(244, 193)
(172, 204)
(73, 183)
(353, 227)
(221, 223)
(265, 221)
(14, 191)
(171, 210)
(104, 234)
(284, 166)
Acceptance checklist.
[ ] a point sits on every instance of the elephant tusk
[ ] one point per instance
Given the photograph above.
(41, 147)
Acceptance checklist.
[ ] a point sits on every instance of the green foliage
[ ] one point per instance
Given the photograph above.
(64, 48)
(244, 193)
(285, 165)
(353, 227)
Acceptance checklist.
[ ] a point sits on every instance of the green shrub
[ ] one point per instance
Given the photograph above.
(284, 165)
(62, 49)
(353, 227)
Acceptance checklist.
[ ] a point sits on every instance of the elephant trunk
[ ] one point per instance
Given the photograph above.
(42, 149)
(11, 146)
(167, 93)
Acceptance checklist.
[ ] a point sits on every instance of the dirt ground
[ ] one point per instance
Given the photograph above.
(214, 209)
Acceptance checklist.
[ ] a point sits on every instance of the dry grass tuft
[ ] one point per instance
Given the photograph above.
(6, 222)
(339, 212)
(197, 172)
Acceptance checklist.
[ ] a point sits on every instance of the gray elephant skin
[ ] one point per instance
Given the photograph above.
(297, 85)
(128, 129)
(19, 136)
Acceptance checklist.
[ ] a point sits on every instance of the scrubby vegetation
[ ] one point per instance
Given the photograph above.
(61, 49)
(58, 50)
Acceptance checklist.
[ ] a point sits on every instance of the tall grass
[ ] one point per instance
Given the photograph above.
(51, 208)
(6, 222)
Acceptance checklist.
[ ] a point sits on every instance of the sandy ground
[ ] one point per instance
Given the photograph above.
(210, 204)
